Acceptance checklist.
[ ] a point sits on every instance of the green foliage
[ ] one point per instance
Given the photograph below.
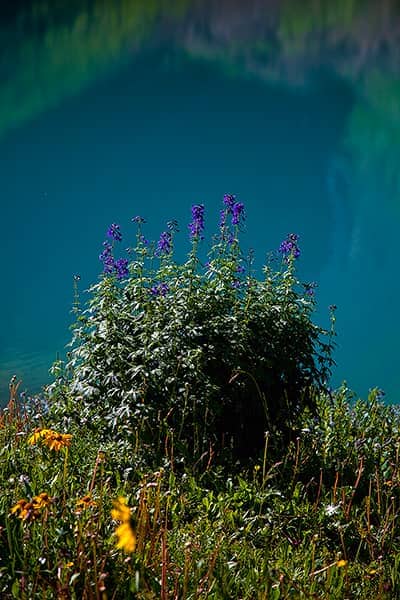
(321, 522)
(214, 362)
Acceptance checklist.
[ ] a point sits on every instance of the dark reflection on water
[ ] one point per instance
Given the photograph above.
(113, 109)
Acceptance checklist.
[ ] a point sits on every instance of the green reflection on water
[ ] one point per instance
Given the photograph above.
(51, 52)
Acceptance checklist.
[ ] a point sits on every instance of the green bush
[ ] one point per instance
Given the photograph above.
(193, 358)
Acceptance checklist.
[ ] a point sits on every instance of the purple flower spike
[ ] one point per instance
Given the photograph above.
(121, 266)
(222, 219)
(237, 213)
(164, 245)
(229, 201)
(114, 233)
(197, 225)
(289, 246)
(107, 259)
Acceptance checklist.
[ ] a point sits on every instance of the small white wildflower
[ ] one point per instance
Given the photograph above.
(332, 509)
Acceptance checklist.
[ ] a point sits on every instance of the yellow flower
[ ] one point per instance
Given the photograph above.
(84, 503)
(52, 439)
(27, 511)
(19, 506)
(121, 511)
(126, 531)
(126, 537)
(42, 500)
(37, 435)
(56, 441)
(341, 563)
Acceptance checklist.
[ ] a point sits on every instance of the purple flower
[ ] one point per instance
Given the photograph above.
(164, 243)
(114, 233)
(289, 246)
(240, 269)
(121, 267)
(106, 258)
(160, 289)
(197, 224)
(309, 288)
(143, 240)
(229, 201)
(222, 219)
(237, 213)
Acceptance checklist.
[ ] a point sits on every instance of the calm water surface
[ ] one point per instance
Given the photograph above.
(109, 110)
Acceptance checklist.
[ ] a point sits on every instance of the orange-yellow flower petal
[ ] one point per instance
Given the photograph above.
(56, 441)
(84, 503)
(18, 506)
(37, 435)
(121, 511)
(42, 500)
(126, 537)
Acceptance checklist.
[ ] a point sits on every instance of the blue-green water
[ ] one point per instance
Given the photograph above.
(110, 110)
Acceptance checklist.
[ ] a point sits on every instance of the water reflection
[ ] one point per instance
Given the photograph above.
(295, 105)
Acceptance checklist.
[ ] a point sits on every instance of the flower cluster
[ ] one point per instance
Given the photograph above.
(234, 208)
(196, 227)
(164, 245)
(237, 212)
(110, 265)
(107, 258)
(29, 510)
(125, 532)
(50, 438)
(289, 246)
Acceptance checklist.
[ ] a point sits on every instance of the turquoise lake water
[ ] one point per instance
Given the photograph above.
(109, 110)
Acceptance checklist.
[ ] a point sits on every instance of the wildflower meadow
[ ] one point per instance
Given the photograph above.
(190, 446)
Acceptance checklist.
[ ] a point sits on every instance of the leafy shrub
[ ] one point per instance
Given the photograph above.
(194, 357)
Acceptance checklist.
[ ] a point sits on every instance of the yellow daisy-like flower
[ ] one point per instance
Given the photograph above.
(52, 439)
(125, 532)
(19, 506)
(84, 503)
(56, 441)
(26, 511)
(42, 500)
(37, 435)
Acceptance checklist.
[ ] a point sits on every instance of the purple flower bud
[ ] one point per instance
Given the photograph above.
(237, 213)
(197, 225)
(164, 245)
(229, 201)
(289, 246)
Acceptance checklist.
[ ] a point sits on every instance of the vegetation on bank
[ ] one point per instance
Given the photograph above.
(191, 446)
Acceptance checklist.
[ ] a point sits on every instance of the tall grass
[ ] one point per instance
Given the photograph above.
(321, 522)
